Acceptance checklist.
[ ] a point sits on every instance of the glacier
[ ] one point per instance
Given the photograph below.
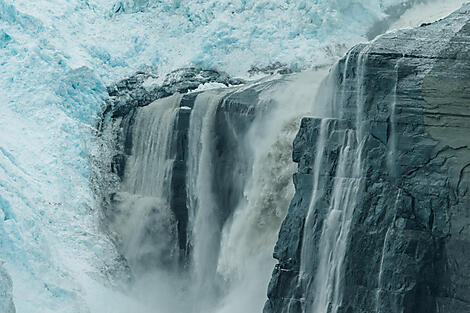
(56, 59)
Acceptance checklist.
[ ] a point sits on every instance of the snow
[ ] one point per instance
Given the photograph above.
(427, 12)
(57, 56)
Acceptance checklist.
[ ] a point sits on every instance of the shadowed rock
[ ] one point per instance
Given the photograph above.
(408, 244)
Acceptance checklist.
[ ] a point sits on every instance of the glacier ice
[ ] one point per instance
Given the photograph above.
(56, 57)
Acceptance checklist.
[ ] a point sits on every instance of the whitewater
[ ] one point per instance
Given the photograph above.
(56, 59)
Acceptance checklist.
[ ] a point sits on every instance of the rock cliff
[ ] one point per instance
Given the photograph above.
(380, 220)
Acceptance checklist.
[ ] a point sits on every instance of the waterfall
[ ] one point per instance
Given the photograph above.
(143, 220)
(334, 236)
(232, 259)
(330, 250)
(227, 207)
(360, 90)
(237, 184)
(392, 145)
(248, 240)
(335, 185)
(232, 161)
(308, 244)
(206, 229)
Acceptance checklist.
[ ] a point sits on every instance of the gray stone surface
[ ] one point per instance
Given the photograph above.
(408, 248)
(143, 88)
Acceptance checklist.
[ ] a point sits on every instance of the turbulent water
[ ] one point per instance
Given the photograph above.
(148, 231)
(336, 203)
(238, 185)
(56, 57)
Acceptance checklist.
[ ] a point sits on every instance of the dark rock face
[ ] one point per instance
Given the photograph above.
(405, 99)
(274, 68)
(138, 90)
(179, 199)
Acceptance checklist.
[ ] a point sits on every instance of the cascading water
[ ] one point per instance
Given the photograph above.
(237, 184)
(144, 223)
(336, 227)
(237, 187)
(232, 253)
(54, 79)
(335, 190)
(249, 237)
(203, 211)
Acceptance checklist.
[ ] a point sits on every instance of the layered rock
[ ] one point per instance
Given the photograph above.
(144, 87)
(404, 100)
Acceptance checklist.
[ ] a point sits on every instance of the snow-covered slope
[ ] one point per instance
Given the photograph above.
(57, 56)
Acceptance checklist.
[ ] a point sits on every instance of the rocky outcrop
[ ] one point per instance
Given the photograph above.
(6, 297)
(404, 99)
(144, 87)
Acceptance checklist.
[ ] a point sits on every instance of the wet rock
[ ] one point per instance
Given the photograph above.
(408, 245)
